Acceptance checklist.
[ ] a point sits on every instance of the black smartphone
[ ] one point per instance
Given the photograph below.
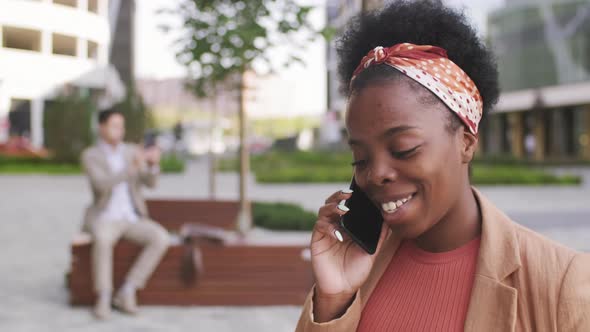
(363, 221)
(149, 140)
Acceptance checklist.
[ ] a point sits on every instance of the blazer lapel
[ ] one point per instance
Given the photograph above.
(101, 158)
(492, 306)
(493, 302)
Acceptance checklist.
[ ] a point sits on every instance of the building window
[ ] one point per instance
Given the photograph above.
(92, 50)
(19, 117)
(93, 6)
(22, 39)
(69, 3)
(64, 45)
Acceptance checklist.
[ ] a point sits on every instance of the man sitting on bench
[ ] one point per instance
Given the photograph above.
(116, 172)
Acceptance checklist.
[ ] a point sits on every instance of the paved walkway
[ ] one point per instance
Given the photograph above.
(40, 214)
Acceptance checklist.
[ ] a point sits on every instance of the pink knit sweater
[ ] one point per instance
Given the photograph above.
(422, 291)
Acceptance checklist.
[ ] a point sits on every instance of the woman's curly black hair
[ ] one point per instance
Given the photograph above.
(422, 22)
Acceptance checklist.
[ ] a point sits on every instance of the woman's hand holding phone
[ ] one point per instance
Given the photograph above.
(339, 267)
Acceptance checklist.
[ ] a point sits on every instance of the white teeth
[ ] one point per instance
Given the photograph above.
(391, 207)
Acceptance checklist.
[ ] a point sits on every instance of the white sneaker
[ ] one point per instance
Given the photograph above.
(126, 302)
(102, 307)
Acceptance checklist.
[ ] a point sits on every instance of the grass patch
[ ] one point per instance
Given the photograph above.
(282, 217)
(507, 160)
(52, 169)
(172, 164)
(518, 175)
(35, 165)
(318, 167)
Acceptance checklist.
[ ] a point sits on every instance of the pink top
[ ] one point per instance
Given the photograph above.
(422, 291)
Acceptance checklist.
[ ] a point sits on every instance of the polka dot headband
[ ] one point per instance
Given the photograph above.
(431, 67)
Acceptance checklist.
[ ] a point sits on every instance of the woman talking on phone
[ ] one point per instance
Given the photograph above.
(419, 81)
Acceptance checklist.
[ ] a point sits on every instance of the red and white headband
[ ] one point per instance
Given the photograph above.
(431, 67)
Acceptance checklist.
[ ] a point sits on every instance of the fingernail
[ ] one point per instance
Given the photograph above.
(347, 191)
(343, 207)
(338, 235)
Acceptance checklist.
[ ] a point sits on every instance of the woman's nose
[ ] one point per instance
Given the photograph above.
(381, 172)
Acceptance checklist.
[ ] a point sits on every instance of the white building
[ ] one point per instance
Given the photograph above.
(46, 45)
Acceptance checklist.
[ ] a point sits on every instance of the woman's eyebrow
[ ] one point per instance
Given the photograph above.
(396, 130)
(386, 134)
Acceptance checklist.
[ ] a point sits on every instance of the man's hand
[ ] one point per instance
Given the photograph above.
(138, 162)
(152, 155)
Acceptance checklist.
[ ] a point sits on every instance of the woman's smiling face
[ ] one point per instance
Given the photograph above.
(406, 159)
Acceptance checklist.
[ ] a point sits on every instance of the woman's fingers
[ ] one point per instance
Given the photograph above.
(327, 228)
(339, 196)
(331, 229)
(333, 211)
(328, 220)
(329, 215)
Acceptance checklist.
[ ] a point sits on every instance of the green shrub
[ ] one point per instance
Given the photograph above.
(172, 164)
(305, 174)
(137, 116)
(505, 160)
(36, 165)
(282, 216)
(10, 160)
(67, 127)
(315, 167)
(229, 164)
(515, 175)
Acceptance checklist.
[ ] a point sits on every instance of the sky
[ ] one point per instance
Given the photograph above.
(154, 54)
(155, 57)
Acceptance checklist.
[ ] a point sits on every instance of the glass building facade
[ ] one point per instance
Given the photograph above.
(541, 43)
(543, 54)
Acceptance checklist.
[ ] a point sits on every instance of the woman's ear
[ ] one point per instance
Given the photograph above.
(469, 145)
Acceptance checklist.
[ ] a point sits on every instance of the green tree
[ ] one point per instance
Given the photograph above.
(137, 116)
(67, 127)
(221, 40)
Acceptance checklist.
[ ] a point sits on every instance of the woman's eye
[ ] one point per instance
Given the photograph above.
(404, 154)
(359, 163)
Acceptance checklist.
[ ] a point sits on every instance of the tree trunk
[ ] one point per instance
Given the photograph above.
(557, 40)
(245, 216)
(212, 156)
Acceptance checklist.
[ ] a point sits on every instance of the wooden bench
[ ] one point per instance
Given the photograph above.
(237, 273)
(173, 213)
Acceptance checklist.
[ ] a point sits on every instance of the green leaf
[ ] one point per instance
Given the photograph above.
(221, 38)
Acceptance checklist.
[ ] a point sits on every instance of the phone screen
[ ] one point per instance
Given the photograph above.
(149, 140)
(363, 221)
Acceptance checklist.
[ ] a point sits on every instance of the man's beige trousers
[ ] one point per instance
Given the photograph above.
(105, 234)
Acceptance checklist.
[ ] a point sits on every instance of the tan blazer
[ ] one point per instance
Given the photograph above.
(102, 180)
(523, 282)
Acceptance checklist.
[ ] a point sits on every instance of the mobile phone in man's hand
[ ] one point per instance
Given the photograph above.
(149, 141)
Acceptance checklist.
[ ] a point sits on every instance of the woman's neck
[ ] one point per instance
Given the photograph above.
(460, 225)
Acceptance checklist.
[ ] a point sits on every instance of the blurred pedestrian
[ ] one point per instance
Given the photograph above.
(530, 144)
(117, 171)
(448, 259)
(178, 131)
